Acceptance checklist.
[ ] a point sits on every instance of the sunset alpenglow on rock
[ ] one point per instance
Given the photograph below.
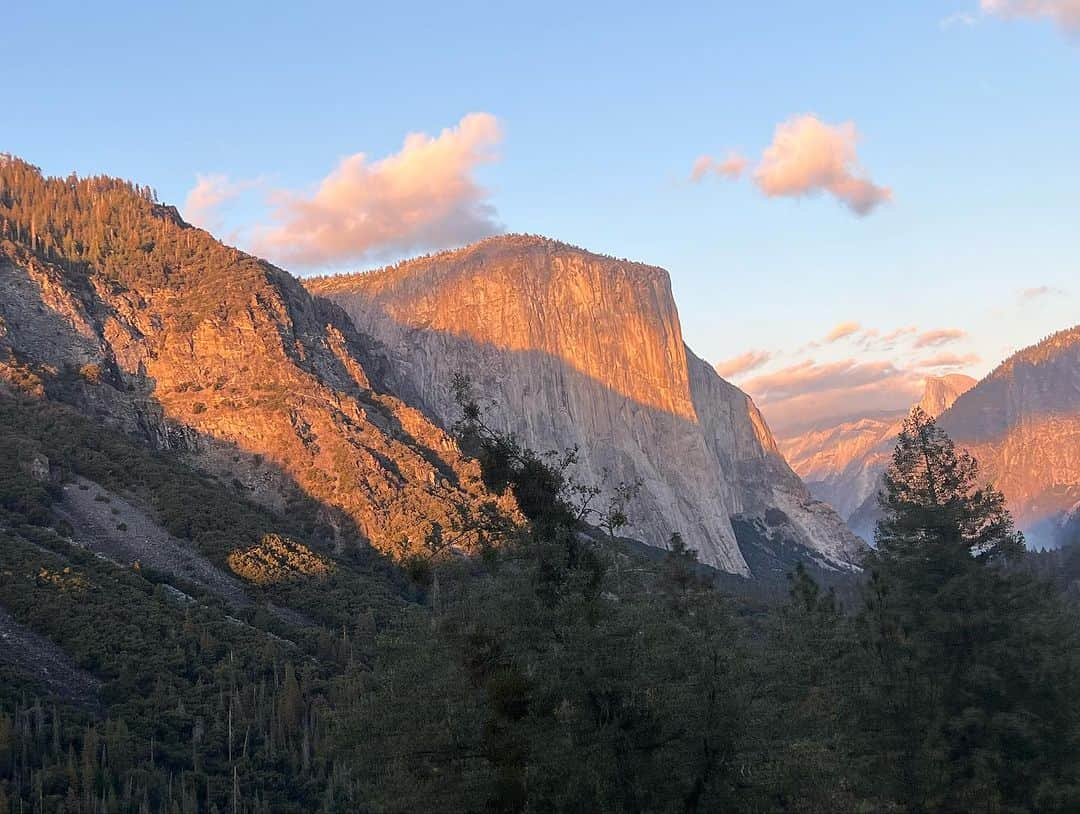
(461, 408)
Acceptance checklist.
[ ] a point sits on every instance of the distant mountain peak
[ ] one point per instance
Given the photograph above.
(940, 392)
(1022, 423)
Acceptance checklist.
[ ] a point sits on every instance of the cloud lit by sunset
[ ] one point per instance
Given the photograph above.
(841, 331)
(425, 196)
(796, 390)
(731, 166)
(204, 200)
(1065, 13)
(742, 364)
(808, 156)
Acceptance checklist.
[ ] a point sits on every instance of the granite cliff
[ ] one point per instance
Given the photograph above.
(576, 349)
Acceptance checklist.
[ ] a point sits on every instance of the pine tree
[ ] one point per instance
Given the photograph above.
(967, 701)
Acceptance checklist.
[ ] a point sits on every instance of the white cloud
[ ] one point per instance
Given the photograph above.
(959, 18)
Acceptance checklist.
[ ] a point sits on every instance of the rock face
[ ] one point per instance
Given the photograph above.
(941, 392)
(1022, 422)
(111, 303)
(581, 350)
(842, 463)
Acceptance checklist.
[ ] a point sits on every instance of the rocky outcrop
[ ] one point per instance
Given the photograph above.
(575, 349)
(36, 657)
(219, 356)
(842, 463)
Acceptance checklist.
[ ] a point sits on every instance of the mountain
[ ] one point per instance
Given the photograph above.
(1022, 422)
(842, 463)
(941, 392)
(111, 303)
(577, 349)
(202, 468)
(197, 474)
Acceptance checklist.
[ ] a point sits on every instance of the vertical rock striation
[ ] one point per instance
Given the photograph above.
(575, 349)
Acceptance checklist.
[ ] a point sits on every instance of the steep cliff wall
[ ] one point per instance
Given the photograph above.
(578, 349)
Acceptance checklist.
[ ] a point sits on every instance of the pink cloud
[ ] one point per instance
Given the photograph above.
(844, 329)
(206, 197)
(1064, 13)
(810, 377)
(808, 156)
(422, 197)
(807, 391)
(743, 363)
(730, 167)
(1040, 292)
(873, 339)
(948, 360)
(938, 337)
(898, 333)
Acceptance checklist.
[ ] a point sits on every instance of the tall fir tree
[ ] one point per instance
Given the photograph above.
(971, 674)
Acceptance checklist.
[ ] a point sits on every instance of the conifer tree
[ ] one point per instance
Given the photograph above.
(967, 700)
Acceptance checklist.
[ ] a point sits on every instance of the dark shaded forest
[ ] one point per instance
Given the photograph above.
(553, 673)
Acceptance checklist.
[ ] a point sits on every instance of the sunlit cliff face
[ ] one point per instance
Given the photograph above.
(489, 294)
(237, 366)
(579, 350)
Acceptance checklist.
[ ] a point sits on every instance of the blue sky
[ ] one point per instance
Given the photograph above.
(970, 117)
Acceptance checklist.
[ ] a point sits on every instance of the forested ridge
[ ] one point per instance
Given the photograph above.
(548, 668)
